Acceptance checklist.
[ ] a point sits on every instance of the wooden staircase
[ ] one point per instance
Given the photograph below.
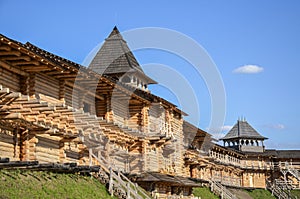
(280, 189)
(288, 168)
(221, 190)
(118, 184)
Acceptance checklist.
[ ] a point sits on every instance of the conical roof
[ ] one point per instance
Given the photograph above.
(115, 57)
(242, 129)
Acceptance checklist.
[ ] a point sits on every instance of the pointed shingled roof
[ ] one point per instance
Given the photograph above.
(115, 57)
(242, 129)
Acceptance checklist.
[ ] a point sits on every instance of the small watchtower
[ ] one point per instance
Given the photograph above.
(244, 137)
(115, 59)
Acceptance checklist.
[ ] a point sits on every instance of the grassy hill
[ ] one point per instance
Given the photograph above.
(261, 193)
(296, 193)
(40, 184)
(204, 193)
(37, 184)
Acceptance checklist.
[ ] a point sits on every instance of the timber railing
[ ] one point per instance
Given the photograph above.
(289, 167)
(221, 190)
(118, 183)
(277, 189)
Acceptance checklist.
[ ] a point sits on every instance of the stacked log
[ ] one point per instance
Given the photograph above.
(9, 79)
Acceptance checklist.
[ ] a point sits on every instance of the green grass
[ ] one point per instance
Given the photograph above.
(296, 192)
(261, 193)
(204, 193)
(36, 184)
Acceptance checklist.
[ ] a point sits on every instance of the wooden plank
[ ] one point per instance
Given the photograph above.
(13, 69)
(13, 52)
(13, 58)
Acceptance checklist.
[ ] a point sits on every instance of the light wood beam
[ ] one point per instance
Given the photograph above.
(13, 69)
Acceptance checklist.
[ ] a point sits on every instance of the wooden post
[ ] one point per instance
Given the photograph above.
(31, 86)
(32, 141)
(144, 154)
(62, 90)
(128, 191)
(61, 151)
(145, 119)
(90, 157)
(81, 149)
(23, 144)
(111, 181)
(109, 113)
(81, 99)
(24, 85)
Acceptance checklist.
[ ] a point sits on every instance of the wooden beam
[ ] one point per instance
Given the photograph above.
(13, 69)
(64, 75)
(7, 48)
(13, 58)
(13, 52)
(34, 68)
(16, 63)
(11, 116)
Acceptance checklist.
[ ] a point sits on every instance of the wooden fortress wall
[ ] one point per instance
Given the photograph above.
(160, 147)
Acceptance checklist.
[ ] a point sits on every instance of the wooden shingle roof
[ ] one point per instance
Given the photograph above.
(242, 129)
(115, 57)
(65, 69)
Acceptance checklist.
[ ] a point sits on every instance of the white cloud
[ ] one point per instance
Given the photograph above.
(226, 128)
(275, 126)
(249, 69)
(219, 132)
(279, 126)
(218, 135)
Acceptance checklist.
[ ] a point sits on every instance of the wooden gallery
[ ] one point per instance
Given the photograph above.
(53, 110)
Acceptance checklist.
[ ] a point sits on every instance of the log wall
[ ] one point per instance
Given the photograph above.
(101, 108)
(9, 80)
(152, 161)
(156, 118)
(72, 97)
(136, 164)
(47, 149)
(46, 85)
(71, 152)
(254, 179)
(120, 110)
(176, 123)
(9, 147)
(135, 114)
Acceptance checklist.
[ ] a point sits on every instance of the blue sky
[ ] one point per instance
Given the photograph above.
(234, 33)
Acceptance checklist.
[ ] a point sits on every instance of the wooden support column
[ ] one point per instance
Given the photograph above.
(16, 143)
(32, 141)
(82, 151)
(31, 86)
(107, 149)
(109, 111)
(144, 154)
(168, 122)
(24, 84)
(81, 100)
(145, 119)
(62, 90)
(62, 155)
(23, 143)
